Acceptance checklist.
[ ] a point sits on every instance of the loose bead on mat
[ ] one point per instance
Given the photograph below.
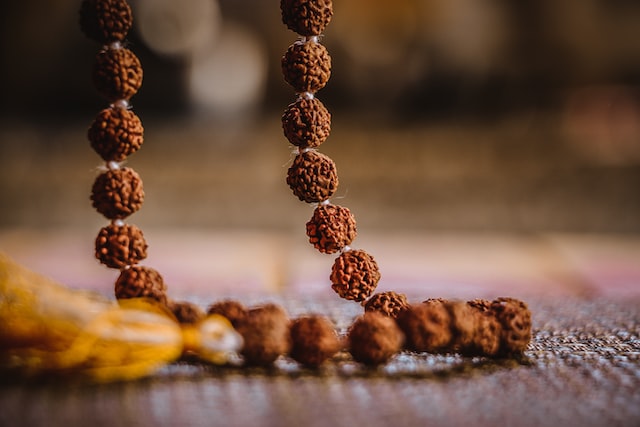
(313, 340)
(374, 338)
(265, 331)
(389, 303)
(233, 310)
(427, 327)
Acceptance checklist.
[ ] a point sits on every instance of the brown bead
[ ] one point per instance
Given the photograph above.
(515, 319)
(117, 193)
(388, 303)
(313, 340)
(463, 325)
(233, 310)
(331, 228)
(117, 74)
(265, 331)
(141, 282)
(306, 17)
(374, 338)
(480, 304)
(312, 177)
(306, 123)
(306, 66)
(186, 312)
(116, 133)
(426, 327)
(105, 21)
(118, 246)
(486, 337)
(354, 275)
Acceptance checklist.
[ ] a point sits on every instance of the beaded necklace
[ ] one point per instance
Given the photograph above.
(485, 328)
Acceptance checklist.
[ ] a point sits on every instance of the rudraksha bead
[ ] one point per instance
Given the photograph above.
(265, 331)
(306, 123)
(313, 340)
(306, 17)
(105, 21)
(480, 304)
(186, 312)
(331, 228)
(515, 318)
(117, 74)
(141, 282)
(118, 246)
(116, 133)
(117, 193)
(426, 327)
(486, 337)
(306, 66)
(374, 338)
(463, 325)
(354, 275)
(312, 177)
(389, 303)
(233, 310)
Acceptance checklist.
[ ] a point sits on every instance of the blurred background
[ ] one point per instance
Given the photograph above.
(474, 117)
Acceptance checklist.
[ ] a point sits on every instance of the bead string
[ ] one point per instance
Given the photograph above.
(115, 134)
(306, 66)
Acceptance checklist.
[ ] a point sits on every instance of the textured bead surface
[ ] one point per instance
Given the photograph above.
(233, 310)
(313, 340)
(186, 312)
(374, 338)
(105, 21)
(117, 74)
(354, 275)
(426, 327)
(306, 123)
(306, 17)
(331, 228)
(117, 193)
(312, 177)
(141, 282)
(116, 133)
(306, 66)
(486, 337)
(118, 246)
(515, 319)
(389, 303)
(265, 331)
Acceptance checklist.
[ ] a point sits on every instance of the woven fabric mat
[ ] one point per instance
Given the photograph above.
(581, 369)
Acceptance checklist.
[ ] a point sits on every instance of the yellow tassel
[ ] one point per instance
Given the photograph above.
(47, 328)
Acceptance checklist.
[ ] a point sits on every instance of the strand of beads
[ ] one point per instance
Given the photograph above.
(115, 134)
(312, 177)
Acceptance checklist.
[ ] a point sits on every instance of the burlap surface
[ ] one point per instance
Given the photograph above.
(581, 369)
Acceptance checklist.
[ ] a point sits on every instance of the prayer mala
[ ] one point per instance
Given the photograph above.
(313, 177)
(115, 134)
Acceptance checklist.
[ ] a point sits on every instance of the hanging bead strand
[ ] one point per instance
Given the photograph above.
(313, 177)
(115, 134)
